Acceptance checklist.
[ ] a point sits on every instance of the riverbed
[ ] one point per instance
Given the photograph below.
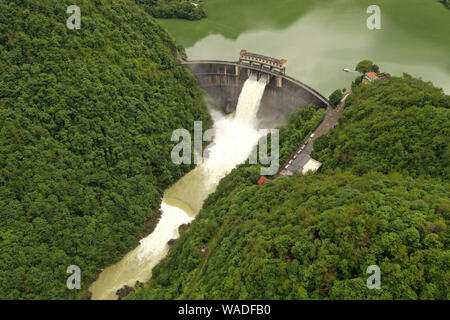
(235, 136)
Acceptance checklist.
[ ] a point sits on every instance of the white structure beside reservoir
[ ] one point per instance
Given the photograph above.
(311, 165)
(301, 163)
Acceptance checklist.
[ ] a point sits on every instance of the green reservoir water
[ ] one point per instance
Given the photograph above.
(320, 38)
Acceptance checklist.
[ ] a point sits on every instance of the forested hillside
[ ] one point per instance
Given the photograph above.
(182, 9)
(402, 125)
(301, 123)
(375, 202)
(86, 118)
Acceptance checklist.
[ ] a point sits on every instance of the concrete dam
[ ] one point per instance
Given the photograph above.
(223, 82)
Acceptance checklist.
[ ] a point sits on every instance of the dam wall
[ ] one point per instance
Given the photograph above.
(223, 81)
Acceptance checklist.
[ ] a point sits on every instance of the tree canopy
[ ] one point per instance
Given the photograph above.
(86, 118)
(336, 97)
(182, 9)
(400, 124)
(446, 3)
(366, 66)
(375, 202)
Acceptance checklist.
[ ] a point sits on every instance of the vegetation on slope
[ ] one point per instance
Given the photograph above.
(400, 124)
(313, 236)
(86, 118)
(182, 9)
(446, 3)
(302, 123)
(367, 66)
(336, 97)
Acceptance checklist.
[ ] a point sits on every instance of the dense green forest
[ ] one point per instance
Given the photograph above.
(182, 9)
(86, 118)
(301, 123)
(381, 198)
(446, 3)
(336, 97)
(402, 125)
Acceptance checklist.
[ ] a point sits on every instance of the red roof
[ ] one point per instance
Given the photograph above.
(372, 75)
(262, 180)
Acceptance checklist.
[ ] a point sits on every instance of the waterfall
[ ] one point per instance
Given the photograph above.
(235, 138)
(249, 101)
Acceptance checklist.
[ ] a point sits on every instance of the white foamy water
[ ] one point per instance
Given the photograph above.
(138, 264)
(234, 140)
(235, 136)
(249, 101)
(154, 245)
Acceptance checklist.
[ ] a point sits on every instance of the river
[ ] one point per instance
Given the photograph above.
(234, 139)
(318, 39)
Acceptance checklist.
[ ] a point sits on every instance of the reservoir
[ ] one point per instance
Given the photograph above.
(320, 38)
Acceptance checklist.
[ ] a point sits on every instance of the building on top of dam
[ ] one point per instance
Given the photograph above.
(223, 82)
(263, 61)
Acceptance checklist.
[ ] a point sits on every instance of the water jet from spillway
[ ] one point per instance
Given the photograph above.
(235, 137)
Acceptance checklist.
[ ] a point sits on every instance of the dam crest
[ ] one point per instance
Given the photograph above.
(223, 82)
